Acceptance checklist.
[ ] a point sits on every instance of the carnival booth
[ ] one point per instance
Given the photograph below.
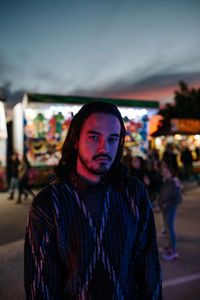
(3, 147)
(41, 124)
(182, 133)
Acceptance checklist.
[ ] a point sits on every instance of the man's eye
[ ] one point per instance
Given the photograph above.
(94, 138)
(113, 140)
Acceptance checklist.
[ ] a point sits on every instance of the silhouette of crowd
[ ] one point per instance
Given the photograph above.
(149, 168)
(163, 175)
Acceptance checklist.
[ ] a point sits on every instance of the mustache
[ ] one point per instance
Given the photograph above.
(102, 155)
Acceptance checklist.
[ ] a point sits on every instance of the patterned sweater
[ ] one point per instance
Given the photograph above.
(68, 257)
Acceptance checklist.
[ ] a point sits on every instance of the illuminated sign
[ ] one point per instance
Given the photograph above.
(185, 126)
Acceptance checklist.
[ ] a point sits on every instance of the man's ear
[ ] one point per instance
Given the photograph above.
(76, 144)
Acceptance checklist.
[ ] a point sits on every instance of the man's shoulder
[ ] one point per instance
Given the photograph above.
(48, 194)
(137, 190)
(43, 197)
(132, 180)
(134, 184)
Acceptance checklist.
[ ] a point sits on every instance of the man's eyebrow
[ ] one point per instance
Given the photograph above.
(115, 134)
(93, 132)
(98, 133)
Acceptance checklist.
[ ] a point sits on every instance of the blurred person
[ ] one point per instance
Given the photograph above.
(91, 233)
(171, 197)
(139, 171)
(186, 159)
(152, 155)
(23, 186)
(197, 153)
(156, 180)
(127, 157)
(14, 165)
(170, 157)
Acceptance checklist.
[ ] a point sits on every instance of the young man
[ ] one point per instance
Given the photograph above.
(91, 233)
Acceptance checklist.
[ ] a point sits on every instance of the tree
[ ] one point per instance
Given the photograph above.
(187, 104)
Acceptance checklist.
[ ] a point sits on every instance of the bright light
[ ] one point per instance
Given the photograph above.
(158, 142)
(170, 139)
(48, 114)
(133, 113)
(30, 113)
(66, 110)
(50, 110)
(142, 112)
(177, 137)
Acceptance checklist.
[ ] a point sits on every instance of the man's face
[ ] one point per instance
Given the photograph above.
(166, 173)
(14, 157)
(136, 163)
(97, 145)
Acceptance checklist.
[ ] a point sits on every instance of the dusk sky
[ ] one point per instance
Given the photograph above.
(107, 48)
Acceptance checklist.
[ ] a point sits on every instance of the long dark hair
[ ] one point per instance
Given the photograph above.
(67, 163)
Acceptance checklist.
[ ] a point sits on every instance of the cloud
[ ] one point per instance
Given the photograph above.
(7, 70)
(157, 81)
(45, 75)
(152, 83)
(5, 67)
(160, 74)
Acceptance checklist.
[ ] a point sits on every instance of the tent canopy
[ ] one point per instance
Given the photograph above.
(46, 98)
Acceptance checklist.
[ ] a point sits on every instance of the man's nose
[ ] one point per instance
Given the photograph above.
(103, 147)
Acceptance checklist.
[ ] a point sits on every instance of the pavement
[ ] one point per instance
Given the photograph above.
(181, 277)
(13, 218)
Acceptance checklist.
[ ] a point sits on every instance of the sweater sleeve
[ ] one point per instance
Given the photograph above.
(148, 271)
(42, 271)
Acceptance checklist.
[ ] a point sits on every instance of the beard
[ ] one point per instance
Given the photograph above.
(102, 168)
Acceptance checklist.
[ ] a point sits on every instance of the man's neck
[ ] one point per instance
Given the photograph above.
(90, 180)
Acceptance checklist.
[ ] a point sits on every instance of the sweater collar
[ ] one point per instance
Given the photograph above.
(81, 184)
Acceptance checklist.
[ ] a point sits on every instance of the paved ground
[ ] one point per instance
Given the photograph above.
(13, 220)
(181, 278)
